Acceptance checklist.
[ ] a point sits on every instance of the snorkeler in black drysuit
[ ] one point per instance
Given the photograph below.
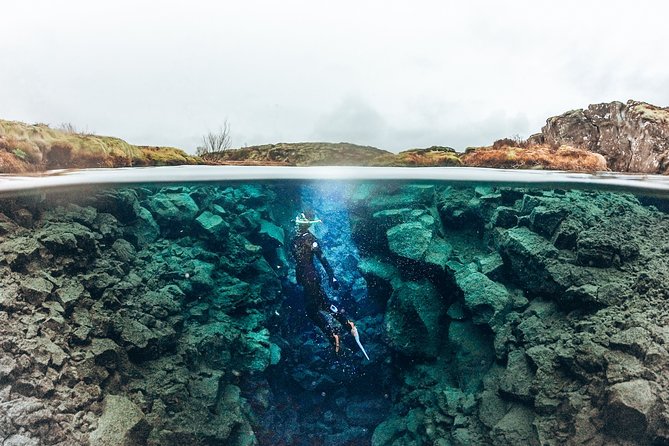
(305, 247)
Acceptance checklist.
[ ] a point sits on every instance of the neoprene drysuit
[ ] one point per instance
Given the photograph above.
(305, 247)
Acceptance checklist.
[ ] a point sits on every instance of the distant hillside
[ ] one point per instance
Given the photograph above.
(301, 154)
(333, 154)
(31, 148)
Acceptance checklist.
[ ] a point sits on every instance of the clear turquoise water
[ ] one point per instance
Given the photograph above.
(496, 307)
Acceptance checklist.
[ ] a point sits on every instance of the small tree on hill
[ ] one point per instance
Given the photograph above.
(214, 142)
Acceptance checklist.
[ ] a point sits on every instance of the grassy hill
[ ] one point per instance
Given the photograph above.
(30, 148)
(333, 154)
(301, 154)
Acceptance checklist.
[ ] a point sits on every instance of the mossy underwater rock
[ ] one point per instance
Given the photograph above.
(413, 319)
(173, 208)
(409, 240)
(122, 424)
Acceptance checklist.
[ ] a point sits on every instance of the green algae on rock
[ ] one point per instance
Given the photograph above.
(492, 315)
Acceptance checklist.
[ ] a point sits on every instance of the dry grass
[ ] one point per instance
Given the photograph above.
(11, 164)
(39, 147)
(538, 156)
(419, 158)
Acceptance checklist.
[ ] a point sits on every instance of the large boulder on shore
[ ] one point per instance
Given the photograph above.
(633, 137)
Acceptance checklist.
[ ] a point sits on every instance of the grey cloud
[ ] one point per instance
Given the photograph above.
(358, 122)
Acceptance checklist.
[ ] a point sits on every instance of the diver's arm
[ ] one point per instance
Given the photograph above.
(315, 247)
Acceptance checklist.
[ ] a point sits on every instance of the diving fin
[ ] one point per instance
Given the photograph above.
(354, 332)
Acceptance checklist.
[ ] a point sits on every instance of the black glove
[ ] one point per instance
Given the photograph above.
(334, 283)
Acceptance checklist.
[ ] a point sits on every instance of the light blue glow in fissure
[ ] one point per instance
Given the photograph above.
(329, 200)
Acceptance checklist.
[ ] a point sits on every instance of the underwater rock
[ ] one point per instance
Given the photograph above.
(474, 353)
(516, 383)
(491, 265)
(604, 247)
(389, 431)
(630, 409)
(124, 251)
(20, 440)
(545, 221)
(515, 428)
(488, 301)
(35, 290)
(173, 209)
(144, 231)
(68, 238)
(106, 352)
(375, 270)
(143, 342)
(492, 407)
(460, 208)
(19, 251)
(634, 340)
(409, 240)
(379, 278)
(272, 233)
(527, 253)
(121, 423)
(405, 196)
(121, 203)
(438, 252)
(413, 319)
(213, 225)
(504, 217)
(70, 293)
(367, 413)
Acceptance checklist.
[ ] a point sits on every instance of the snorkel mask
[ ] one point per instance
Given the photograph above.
(302, 219)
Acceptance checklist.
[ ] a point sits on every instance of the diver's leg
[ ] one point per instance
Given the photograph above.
(315, 302)
(340, 315)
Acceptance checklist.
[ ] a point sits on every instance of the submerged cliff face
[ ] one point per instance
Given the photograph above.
(135, 316)
(633, 137)
(519, 316)
(171, 316)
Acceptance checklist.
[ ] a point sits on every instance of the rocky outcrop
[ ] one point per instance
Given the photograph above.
(116, 316)
(633, 137)
(552, 303)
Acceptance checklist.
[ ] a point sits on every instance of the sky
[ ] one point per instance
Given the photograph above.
(390, 74)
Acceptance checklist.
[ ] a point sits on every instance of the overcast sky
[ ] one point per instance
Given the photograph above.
(391, 74)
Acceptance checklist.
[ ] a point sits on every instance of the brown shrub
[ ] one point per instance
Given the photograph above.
(23, 149)
(118, 159)
(516, 141)
(91, 159)
(59, 155)
(9, 163)
(542, 156)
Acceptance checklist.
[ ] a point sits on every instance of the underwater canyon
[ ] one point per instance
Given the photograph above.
(170, 315)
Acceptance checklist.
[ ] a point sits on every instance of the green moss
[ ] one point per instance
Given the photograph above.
(20, 154)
